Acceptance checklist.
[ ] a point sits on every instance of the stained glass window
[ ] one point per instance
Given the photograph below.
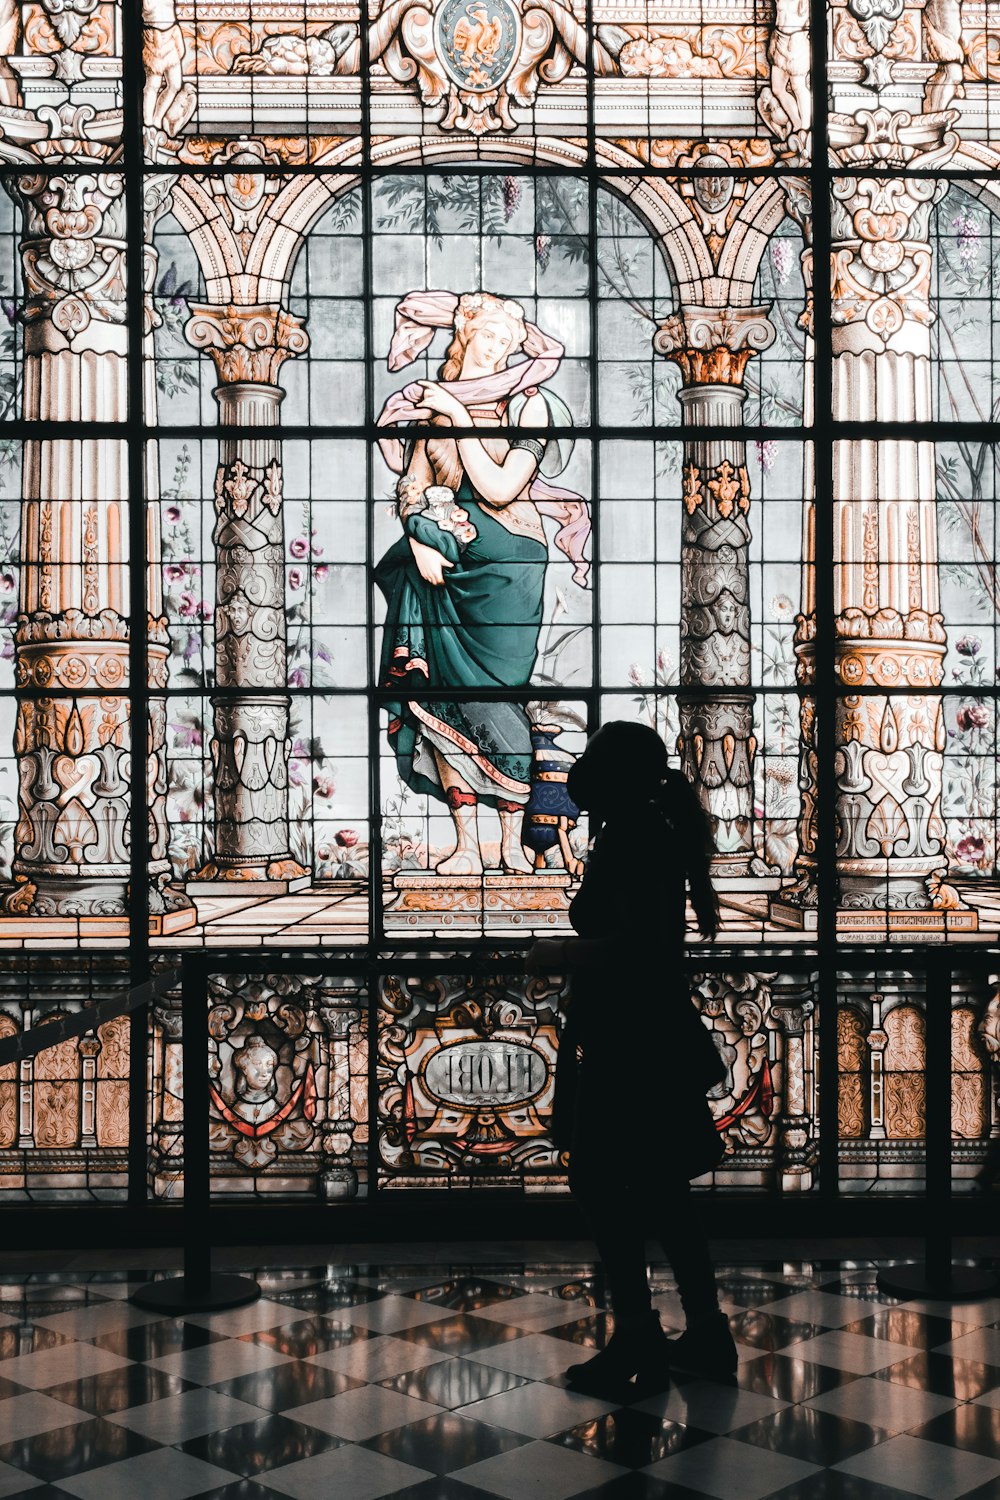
(276, 305)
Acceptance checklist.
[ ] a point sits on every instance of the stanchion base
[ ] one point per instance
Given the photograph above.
(173, 1296)
(962, 1283)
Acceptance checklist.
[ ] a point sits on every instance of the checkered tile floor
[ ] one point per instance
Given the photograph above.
(363, 1380)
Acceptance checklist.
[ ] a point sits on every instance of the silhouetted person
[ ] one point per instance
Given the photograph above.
(635, 1060)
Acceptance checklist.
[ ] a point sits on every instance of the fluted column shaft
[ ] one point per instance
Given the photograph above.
(717, 744)
(888, 627)
(250, 745)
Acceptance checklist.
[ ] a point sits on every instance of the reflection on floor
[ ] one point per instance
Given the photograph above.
(360, 1379)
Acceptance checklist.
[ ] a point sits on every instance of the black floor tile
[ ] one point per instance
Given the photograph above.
(461, 1334)
(307, 1337)
(71, 1450)
(26, 1338)
(156, 1340)
(441, 1487)
(254, 1447)
(590, 1332)
(762, 1330)
(818, 1437)
(963, 1379)
(454, 1382)
(326, 1297)
(636, 1486)
(285, 1386)
(828, 1485)
(132, 1385)
(976, 1428)
(903, 1326)
(465, 1294)
(789, 1379)
(630, 1438)
(445, 1443)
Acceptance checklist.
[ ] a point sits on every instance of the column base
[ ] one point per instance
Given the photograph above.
(279, 877)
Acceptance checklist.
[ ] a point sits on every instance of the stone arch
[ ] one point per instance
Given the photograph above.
(263, 274)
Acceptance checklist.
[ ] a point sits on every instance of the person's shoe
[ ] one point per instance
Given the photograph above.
(707, 1347)
(634, 1349)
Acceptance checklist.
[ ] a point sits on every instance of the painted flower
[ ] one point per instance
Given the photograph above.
(782, 256)
(782, 607)
(188, 605)
(324, 852)
(971, 850)
(346, 838)
(294, 579)
(973, 716)
(297, 678)
(321, 571)
(543, 249)
(511, 197)
(323, 785)
(298, 548)
(172, 513)
(175, 572)
(637, 676)
(7, 582)
(969, 645)
(767, 452)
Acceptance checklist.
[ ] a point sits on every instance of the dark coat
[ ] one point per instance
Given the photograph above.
(635, 1061)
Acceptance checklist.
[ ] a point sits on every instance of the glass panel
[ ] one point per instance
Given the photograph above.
(881, 1092)
(64, 1113)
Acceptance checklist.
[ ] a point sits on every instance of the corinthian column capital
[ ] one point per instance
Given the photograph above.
(248, 343)
(714, 345)
(73, 252)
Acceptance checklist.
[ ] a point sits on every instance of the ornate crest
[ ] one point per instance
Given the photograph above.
(477, 41)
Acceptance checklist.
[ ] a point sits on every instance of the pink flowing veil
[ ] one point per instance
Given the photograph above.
(418, 316)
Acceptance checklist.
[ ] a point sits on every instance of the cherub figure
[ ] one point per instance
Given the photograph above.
(167, 101)
(942, 24)
(787, 104)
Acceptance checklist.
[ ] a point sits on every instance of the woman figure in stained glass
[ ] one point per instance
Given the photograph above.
(464, 584)
(635, 1061)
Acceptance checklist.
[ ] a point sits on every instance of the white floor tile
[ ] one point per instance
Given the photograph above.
(25, 1416)
(989, 1398)
(223, 1360)
(726, 1468)
(252, 1318)
(60, 1364)
(361, 1414)
(822, 1307)
(166, 1474)
(378, 1358)
(535, 1355)
(90, 1321)
(917, 1467)
(982, 1344)
(13, 1481)
(174, 1419)
(346, 1473)
(978, 1314)
(714, 1408)
(539, 1471)
(854, 1352)
(390, 1314)
(882, 1403)
(537, 1410)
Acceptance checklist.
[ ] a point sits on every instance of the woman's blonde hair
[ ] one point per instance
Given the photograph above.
(475, 308)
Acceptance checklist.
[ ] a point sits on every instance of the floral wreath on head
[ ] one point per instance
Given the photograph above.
(417, 317)
(471, 305)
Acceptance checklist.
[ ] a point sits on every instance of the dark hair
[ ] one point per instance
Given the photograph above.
(638, 751)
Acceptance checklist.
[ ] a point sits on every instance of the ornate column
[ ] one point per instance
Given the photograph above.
(888, 625)
(713, 347)
(796, 1148)
(877, 1041)
(250, 746)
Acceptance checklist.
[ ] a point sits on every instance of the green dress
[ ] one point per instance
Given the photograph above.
(477, 630)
